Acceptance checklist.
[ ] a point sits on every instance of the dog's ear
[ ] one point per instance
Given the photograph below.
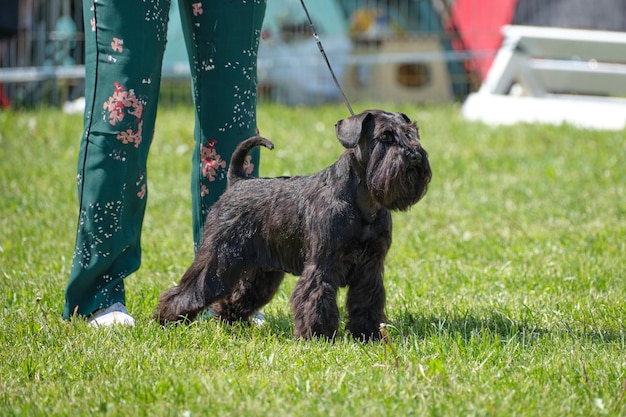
(349, 130)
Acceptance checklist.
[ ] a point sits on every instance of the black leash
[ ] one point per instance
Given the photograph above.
(321, 48)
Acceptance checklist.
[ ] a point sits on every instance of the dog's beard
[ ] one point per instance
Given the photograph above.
(396, 184)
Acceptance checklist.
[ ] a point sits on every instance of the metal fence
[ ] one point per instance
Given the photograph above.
(41, 58)
(41, 63)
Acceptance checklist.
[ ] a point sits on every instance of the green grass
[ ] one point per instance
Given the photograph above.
(506, 284)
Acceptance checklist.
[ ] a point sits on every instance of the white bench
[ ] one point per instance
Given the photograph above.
(553, 75)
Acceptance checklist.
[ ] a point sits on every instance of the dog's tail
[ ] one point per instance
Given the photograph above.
(237, 170)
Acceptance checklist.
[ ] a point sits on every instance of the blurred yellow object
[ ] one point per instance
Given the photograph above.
(362, 20)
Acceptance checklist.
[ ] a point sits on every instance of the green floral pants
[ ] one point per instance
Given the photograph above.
(125, 41)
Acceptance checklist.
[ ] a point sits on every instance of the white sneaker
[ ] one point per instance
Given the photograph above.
(258, 319)
(115, 314)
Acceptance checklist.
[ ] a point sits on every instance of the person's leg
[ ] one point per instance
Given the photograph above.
(125, 41)
(222, 38)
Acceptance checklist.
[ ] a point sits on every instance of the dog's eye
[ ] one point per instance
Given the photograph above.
(385, 137)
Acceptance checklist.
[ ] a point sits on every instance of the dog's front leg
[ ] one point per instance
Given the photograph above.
(365, 301)
(314, 305)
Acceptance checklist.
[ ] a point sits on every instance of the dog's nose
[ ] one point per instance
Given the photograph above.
(414, 157)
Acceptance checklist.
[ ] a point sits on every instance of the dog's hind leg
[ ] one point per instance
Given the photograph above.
(199, 287)
(184, 301)
(249, 295)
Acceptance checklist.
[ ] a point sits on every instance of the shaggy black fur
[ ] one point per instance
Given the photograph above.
(333, 228)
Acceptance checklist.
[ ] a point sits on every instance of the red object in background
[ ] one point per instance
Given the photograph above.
(478, 23)
(5, 102)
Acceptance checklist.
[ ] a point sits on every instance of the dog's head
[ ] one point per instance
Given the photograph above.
(387, 146)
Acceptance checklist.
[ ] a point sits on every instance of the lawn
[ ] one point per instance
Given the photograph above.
(506, 284)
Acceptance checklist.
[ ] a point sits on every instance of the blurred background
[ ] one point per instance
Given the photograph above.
(422, 51)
